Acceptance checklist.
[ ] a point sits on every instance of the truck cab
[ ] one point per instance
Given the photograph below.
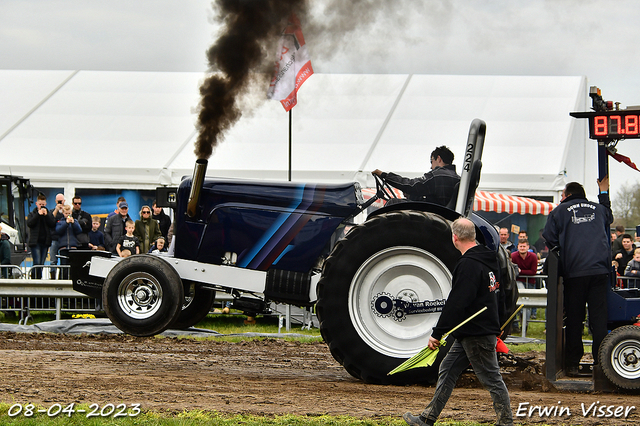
(15, 201)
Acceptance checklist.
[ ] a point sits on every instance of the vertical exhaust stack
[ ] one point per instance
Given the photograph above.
(199, 172)
(470, 175)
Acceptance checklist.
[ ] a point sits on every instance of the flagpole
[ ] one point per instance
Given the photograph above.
(290, 119)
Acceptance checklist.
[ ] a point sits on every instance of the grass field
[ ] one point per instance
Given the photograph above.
(197, 418)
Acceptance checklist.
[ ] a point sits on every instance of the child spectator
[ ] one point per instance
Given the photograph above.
(96, 237)
(128, 244)
(158, 247)
(633, 267)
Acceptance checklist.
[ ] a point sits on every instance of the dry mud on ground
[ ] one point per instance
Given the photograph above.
(265, 377)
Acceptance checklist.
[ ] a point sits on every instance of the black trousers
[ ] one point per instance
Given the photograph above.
(578, 292)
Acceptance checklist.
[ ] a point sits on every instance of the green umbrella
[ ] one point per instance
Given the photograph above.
(427, 356)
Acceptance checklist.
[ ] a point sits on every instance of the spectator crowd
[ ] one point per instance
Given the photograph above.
(53, 232)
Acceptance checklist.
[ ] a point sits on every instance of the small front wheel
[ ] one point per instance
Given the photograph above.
(619, 355)
(142, 295)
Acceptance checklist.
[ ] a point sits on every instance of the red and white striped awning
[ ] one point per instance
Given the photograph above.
(501, 203)
(488, 202)
(370, 192)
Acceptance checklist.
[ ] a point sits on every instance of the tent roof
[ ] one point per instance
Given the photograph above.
(137, 129)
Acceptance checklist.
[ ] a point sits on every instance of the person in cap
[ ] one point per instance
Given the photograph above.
(115, 227)
(120, 200)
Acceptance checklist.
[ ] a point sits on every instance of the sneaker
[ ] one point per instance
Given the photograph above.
(414, 420)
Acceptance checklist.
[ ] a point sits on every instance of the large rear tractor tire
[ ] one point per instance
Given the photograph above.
(619, 356)
(403, 255)
(196, 306)
(142, 295)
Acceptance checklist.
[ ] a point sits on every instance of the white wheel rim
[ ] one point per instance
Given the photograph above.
(625, 359)
(139, 295)
(403, 272)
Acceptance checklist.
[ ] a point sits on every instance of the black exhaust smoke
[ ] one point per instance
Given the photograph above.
(239, 58)
(245, 54)
(243, 57)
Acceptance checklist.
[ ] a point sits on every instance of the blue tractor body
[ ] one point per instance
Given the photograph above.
(268, 225)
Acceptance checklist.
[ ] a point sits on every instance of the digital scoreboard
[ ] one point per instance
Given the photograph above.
(612, 125)
(608, 124)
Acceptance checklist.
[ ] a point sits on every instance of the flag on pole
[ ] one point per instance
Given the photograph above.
(293, 65)
(623, 159)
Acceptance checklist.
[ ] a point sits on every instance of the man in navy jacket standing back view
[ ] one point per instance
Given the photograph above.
(580, 228)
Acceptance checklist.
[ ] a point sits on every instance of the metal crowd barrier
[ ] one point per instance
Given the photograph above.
(531, 298)
(28, 293)
(627, 283)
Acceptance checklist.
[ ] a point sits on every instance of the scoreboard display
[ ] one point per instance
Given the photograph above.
(612, 125)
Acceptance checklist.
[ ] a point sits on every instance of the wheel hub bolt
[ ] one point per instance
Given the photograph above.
(142, 295)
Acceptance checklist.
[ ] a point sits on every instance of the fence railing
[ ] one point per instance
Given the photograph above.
(24, 290)
(532, 291)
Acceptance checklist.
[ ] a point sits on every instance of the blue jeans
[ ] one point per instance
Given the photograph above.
(53, 259)
(39, 255)
(480, 351)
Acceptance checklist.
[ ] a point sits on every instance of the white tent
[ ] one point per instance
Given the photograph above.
(135, 130)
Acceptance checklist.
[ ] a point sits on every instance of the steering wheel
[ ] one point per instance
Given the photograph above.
(383, 189)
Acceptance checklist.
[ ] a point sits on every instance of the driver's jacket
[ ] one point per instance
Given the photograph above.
(436, 186)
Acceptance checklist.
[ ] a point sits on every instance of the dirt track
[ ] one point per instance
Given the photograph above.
(261, 377)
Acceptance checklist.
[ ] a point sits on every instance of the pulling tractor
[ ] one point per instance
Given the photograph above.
(378, 288)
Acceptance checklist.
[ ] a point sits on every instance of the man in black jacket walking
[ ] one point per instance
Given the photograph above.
(475, 285)
(580, 228)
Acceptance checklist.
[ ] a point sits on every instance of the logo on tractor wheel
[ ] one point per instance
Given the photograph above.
(385, 305)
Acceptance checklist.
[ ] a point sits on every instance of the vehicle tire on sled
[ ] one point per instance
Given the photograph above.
(402, 254)
(196, 306)
(142, 295)
(619, 357)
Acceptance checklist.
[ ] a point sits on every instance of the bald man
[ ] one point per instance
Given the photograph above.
(475, 285)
